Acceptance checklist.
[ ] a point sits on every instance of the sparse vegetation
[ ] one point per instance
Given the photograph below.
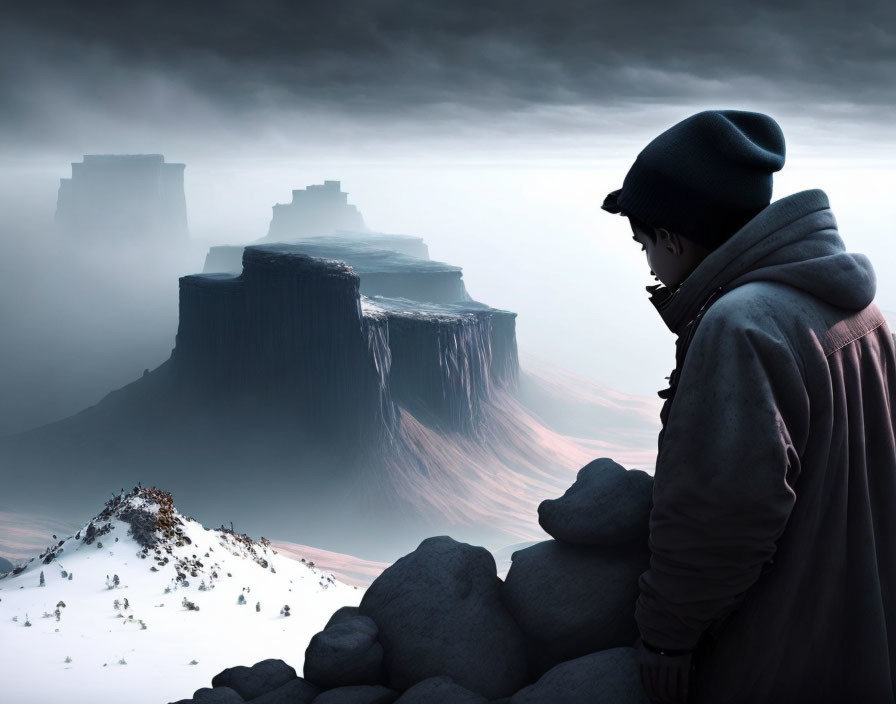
(92, 532)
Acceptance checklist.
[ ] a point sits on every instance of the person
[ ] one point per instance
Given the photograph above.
(772, 574)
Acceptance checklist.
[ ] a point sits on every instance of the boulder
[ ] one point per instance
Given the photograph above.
(571, 600)
(343, 613)
(607, 677)
(216, 695)
(252, 682)
(297, 691)
(345, 653)
(607, 505)
(439, 612)
(359, 694)
(440, 690)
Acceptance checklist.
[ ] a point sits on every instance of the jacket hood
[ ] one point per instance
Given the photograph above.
(792, 241)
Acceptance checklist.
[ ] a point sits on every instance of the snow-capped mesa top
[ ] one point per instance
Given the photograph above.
(146, 600)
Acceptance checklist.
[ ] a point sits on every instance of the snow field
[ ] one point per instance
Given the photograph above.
(98, 637)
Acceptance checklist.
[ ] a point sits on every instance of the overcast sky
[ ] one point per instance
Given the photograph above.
(492, 129)
(74, 71)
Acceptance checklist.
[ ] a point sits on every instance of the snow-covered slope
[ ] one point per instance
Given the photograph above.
(113, 620)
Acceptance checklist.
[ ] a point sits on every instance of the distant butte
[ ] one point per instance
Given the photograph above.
(123, 198)
(319, 209)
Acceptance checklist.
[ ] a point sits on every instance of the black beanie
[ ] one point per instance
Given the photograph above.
(705, 177)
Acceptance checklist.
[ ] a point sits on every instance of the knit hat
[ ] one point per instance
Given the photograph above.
(705, 177)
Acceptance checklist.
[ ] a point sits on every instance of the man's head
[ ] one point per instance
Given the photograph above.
(670, 255)
(698, 183)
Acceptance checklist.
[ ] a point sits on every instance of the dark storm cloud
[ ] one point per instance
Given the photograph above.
(391, 58)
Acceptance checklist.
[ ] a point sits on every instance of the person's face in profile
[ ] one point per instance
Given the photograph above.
(670, 257)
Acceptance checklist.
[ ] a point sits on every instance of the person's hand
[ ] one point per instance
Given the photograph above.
(665, 674)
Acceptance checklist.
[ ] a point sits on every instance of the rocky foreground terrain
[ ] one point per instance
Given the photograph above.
(440, 626)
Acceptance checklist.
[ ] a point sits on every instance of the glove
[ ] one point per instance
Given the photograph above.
(665, 674)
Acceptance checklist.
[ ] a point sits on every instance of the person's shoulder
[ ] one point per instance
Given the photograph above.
(757, 304)
(760, 316)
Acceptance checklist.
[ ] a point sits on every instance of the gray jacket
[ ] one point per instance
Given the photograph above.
(773, 531)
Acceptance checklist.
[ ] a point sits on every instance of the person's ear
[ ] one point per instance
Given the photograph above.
(669, 240)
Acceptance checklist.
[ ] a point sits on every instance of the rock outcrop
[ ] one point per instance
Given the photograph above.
(446, 351)
(252, 682)
(287, 336)
(347, 652)
(293, 329)
(316, 210)
(124, 199)
(560, 628)
(384, 269)
(447, 358)
(439, 612)
(440, 690)
(606, 677)
(267, 682)
(607, 505)
(550, 590)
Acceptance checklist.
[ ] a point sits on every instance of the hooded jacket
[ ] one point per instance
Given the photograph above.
(773, 530)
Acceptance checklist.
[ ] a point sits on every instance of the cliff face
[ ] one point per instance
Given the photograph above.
(123, 198)
(295, 330)
(288, 336)
(447, 358)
